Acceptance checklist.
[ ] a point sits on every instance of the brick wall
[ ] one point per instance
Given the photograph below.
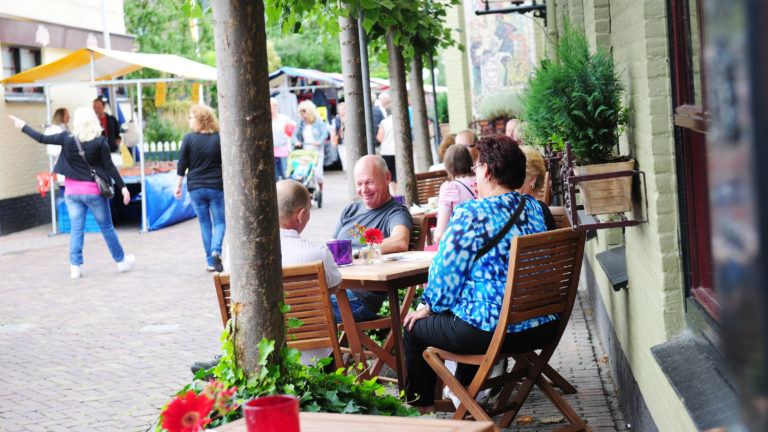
(457, 76)
(24, 212)
(651, 310)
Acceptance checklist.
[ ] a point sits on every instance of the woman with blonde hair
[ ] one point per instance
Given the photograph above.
(58, 125)
(311, 133)
(535, 171)
(81, 192)
(200, 153)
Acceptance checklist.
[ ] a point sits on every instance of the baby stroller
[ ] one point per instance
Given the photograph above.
(301, 167)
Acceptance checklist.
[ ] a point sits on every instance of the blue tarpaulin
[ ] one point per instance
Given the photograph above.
(162, 208)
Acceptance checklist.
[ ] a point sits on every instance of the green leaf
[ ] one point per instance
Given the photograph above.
(284, 308)
(266, 347)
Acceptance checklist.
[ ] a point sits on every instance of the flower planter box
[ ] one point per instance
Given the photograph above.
(612, 195)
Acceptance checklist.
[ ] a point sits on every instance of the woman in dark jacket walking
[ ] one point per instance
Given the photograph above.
(80, 190)
(201, 153)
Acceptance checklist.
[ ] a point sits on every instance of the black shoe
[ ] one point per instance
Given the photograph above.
(217, 262)
(198, 365)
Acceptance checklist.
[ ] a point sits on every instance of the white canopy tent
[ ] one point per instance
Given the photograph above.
(101, 67)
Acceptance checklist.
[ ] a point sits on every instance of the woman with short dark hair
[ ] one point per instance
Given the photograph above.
(463, 298)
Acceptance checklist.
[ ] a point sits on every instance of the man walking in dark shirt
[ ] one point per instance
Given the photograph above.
(108, 124)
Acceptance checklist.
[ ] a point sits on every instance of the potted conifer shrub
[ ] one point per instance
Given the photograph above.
(577, 98)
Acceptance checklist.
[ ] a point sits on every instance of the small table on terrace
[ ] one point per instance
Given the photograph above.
(324, 422)
(409, 269)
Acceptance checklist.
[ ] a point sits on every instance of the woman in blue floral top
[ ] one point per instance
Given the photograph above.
(461, 304)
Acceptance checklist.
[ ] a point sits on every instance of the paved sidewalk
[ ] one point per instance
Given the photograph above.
(105, 352)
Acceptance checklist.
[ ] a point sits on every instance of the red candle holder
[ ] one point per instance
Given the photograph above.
(277, 413)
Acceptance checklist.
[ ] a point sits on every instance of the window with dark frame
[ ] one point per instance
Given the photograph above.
(16, 60)
(690, 118)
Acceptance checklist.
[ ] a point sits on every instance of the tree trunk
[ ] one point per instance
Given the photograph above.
(423, 155)
(399, 99)
(249, 177)
(354, 135)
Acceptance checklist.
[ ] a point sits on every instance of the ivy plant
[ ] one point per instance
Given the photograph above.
(339, 391)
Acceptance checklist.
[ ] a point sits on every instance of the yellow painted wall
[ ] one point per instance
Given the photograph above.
(457, 76)
(651, 310)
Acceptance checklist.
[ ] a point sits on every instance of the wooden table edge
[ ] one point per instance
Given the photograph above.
(359, 420)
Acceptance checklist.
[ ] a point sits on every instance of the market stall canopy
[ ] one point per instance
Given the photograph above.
(108, 65)
(277, 77)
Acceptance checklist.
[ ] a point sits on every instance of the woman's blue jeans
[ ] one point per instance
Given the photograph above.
(281, 167)
(77, 207)
(209, 205)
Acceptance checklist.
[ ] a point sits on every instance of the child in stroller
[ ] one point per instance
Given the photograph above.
(301, 167)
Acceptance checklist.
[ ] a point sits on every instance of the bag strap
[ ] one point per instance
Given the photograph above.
(82, 153)
(500, 235)
(466, 187)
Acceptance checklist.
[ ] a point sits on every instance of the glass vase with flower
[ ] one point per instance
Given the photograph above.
(371, 239)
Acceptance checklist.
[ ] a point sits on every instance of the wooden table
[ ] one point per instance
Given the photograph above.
(325, 422)
(390, 277)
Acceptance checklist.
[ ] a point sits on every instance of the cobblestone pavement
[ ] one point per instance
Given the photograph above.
(105, 352)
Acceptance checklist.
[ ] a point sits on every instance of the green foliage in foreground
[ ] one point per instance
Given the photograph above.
(318, 391)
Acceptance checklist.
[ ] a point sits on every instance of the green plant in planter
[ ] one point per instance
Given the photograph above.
(317, 390)
(577, 98)
(506, 104)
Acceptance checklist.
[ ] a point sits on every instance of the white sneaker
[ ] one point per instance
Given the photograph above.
(126, 264)
(74, 272)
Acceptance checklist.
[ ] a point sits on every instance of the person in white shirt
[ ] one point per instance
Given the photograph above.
(280, 139)
(59, 125)
(293, 206)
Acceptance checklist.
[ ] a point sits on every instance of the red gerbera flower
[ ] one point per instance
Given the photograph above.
(373, 235)
(187, 413)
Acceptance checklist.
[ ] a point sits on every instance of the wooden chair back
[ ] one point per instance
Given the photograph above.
(561, 219)
(223, 293)
(542, 279)
(428, 185)
(308, 296)
(419, 232)
(545, 193)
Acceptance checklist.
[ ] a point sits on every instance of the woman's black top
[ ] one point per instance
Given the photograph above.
(201, 154)
(71, 165)
(549, 220)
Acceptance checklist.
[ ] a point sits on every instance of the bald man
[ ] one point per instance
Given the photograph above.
(293, 205)
(468, 139)
(377, 209)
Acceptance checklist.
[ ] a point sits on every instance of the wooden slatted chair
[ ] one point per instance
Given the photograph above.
(543, 279)
(428, 185)
(545, 193)
(561, 219)
(308, 296)
(383, 353)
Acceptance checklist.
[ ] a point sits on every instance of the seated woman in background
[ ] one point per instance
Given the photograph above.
(447, 142)
(463, 298)
(535, 171)
(460, 187)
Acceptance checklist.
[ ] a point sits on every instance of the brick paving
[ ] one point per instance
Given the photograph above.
(105, 352)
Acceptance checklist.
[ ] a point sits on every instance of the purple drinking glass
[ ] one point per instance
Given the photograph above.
(341, 251)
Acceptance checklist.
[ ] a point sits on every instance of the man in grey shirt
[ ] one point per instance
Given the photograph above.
(377, 209)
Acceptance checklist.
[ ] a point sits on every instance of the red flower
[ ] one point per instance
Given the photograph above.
(373, 235)
(187, 413)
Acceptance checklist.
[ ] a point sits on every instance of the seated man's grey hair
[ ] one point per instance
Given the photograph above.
(291, 196)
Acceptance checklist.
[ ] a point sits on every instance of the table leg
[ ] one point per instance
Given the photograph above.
(350, 327)
(397, 334)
